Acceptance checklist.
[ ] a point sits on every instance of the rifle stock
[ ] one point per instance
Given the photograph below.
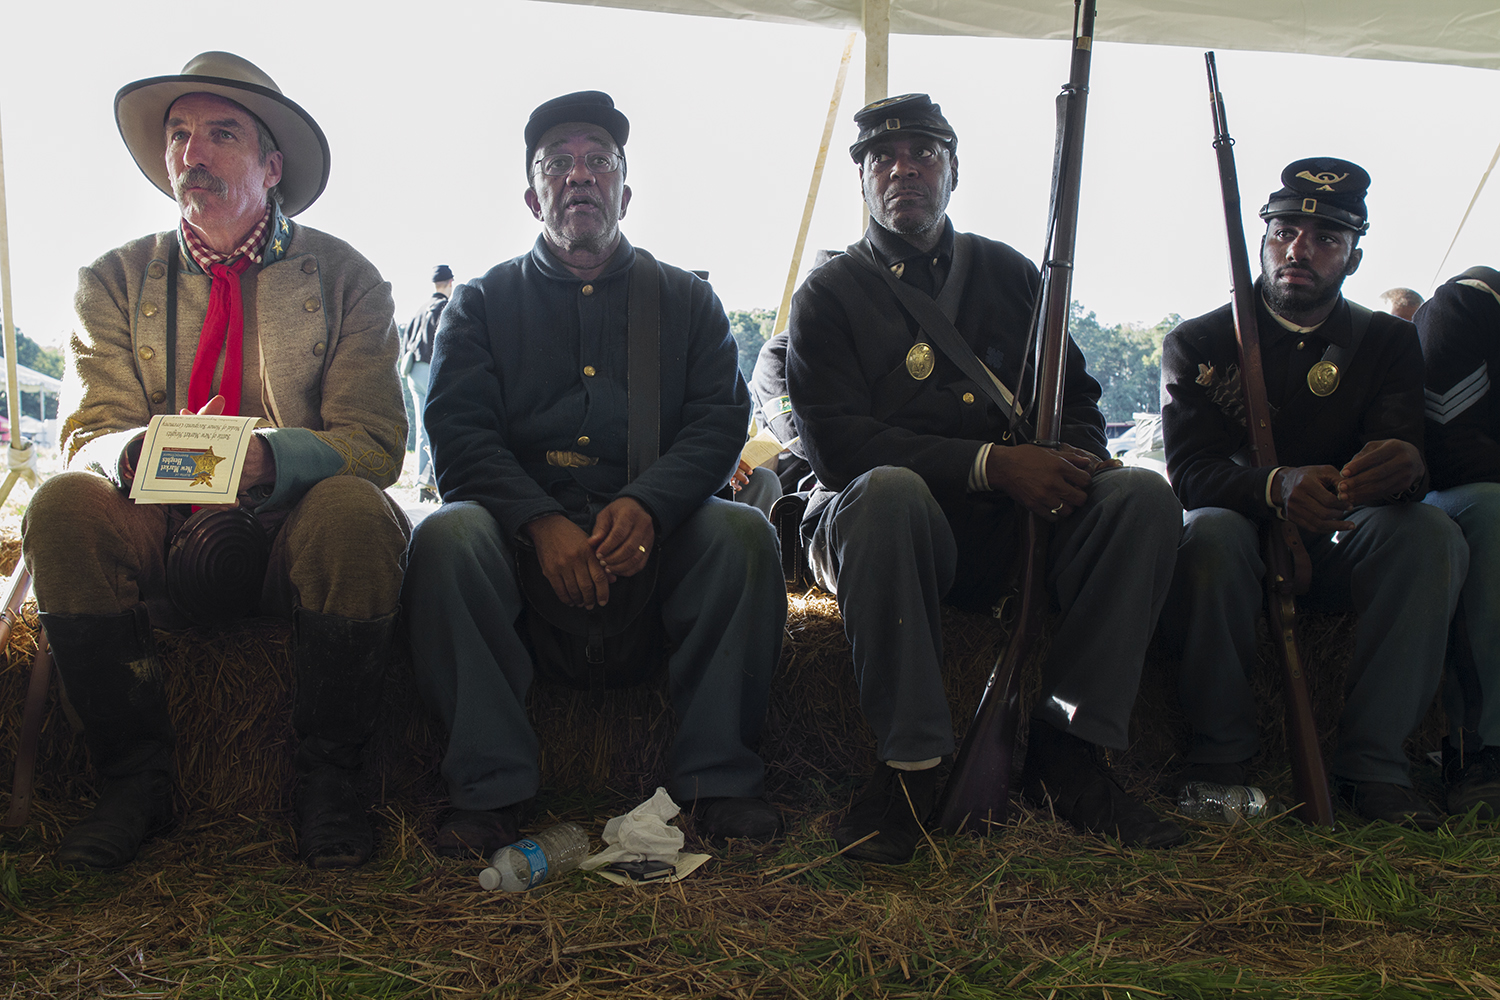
(1288, 569)
(978, 792)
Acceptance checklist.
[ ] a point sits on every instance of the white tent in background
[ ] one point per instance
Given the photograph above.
(32, 380)
(1451, 32)
(1455, 32)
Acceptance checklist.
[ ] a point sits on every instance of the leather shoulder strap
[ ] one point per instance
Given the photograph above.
(935, 322)
(643, 371)
(173, 262)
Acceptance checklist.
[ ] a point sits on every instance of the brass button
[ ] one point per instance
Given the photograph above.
(158, 396)
(319, 348)
(147, 354)
(309, 266)
(148, 310)
(583, 439)
(311, 305)
(588, 370)
(156, 270)
(968, 397)
(587, 289)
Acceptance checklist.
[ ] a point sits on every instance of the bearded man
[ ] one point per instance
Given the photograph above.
(1345, 392)
(235, 310)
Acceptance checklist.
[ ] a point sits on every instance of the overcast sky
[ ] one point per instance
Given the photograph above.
(424, 105)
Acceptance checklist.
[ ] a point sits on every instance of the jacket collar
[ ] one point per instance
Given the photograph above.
(1335, 328)
(278, 243)
(546, 261)
(891, 248)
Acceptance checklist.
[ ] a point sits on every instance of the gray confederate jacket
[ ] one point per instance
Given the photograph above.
(320, 320)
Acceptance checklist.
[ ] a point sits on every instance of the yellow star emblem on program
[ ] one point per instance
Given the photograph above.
(203, 468)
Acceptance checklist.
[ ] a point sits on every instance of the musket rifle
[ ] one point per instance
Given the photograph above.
(978, 791)
(1288, 569)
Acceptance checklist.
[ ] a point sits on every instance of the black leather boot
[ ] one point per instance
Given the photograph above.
(340, 666)
(1063, 774)
(113, 677)
(893, 805)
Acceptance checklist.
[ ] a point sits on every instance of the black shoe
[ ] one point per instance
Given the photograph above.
(332, 829)
(130, 811)
(1379, 801)
(1213, 774)
(723, 819)
(467, 833)
(893, 805)
(1062, 775)
(1473, 780)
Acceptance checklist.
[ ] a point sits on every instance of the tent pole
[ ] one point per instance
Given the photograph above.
(21, 459)
(1493, 160)
(876, 19)
(783, 311)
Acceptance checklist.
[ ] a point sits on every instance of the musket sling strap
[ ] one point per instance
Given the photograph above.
(935, 318)
(643, 326)
(1359, 323)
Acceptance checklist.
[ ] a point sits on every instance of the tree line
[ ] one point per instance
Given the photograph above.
(1124, 358)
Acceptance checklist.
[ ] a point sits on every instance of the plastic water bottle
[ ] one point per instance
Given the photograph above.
(1214, 803)
(532, 860)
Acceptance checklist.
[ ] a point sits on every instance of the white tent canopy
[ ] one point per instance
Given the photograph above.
(1455, 32)
(31, 380)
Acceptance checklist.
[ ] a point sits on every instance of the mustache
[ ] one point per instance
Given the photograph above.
(199, 177)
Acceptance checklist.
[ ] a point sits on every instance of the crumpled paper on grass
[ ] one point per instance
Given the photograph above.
(643, 835)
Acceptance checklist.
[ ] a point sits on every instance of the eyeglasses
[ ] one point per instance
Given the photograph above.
(561, 164)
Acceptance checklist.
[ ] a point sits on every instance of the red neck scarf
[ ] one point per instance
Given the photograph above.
(224, 326)
(223, 334)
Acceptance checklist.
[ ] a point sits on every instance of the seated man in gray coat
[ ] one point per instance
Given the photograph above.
(235, 310)
(527, 413)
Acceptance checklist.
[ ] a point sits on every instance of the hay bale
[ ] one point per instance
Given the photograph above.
(230, 697)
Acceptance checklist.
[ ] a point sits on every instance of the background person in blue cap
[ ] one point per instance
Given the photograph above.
(527, 412)
(416, 362)
(272, 319)
(1345, 390)
(922, 484)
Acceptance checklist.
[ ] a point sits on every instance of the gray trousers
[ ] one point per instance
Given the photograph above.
(724, 609)
(1401, 570)
(887, 550)
(93, 551)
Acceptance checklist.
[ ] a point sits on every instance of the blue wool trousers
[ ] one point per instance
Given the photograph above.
(1400, 570)
(724, 610)
(888, 551)
(1471, 682)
